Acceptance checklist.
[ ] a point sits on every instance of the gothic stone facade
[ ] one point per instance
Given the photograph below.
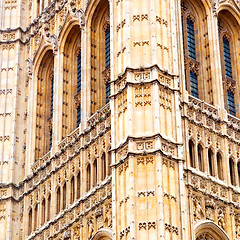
(119, 119)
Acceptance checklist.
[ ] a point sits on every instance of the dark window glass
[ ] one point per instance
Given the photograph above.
(108, 92)
(210, 162)
(107, 46)
(231, 103)
(51, 135)
(79, 76)
(52, 87)
(78, 115)
(191, 39)
(232, 172)
(191, 154)
(227, 57)
(194, 84)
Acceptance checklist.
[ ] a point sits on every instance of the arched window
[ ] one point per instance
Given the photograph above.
(100, 56)
(72, 197)
(44, 111)
(220, 166)
(78, 185)
(43, 210)
(88, 183)
(211, 162)
(48, 207)
(30, 222)
(64, 196)
(58, 203)
(103, 158)
(35, 223)
(229, 35)
(200, 157)
(191, 153)
(194, 28)
(227, 72)
(208, 230)
(72, 80)
(232, 172)
(95, 171)
(189, 45)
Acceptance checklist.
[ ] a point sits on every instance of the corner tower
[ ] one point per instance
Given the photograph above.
(146, 122)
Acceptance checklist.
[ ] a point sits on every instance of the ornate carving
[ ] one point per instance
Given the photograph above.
(78, 13)
(198, 213)
(67, 235)
(221, 217)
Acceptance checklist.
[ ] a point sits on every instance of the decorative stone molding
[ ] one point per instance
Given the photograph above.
(77, 13)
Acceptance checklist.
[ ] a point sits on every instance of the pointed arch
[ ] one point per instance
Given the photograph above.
(191, 150)
(211, 228)
(194, 27)
(44, 90)
(211, 164)
(99, 35)
(103, 234)
(70, 48)
(229, 34)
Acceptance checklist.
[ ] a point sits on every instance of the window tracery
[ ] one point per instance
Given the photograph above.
(205, 236)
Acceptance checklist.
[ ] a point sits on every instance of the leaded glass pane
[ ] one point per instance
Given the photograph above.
(231, 103)
(79, 76)
(194, 84)
(227, 57)
(108, 92)
(191, 39)
(52, 87)
(78, 115)
(107, 46)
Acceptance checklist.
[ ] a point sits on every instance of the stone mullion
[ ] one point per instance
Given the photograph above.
(31, 123)
(217, 84)
(58, 100)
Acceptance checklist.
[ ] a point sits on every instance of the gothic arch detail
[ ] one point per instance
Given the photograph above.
(209, 230)
(103, 234)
